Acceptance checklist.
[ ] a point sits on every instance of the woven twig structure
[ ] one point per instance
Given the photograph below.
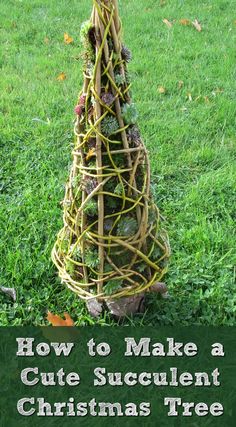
(112, 244)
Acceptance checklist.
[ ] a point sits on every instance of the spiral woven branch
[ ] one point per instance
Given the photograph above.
(112, 244)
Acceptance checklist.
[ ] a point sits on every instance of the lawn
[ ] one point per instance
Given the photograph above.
(184, 87)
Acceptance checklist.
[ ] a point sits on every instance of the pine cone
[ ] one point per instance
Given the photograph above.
(82, 99)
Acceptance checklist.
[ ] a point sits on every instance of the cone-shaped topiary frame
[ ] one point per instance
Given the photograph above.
(111, 245)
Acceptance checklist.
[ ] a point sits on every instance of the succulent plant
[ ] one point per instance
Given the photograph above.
(109, 125)
(120, 79)
(120, 258)
(133, 135)
(108, 223)
(79, 110)
(119, 160)
(77, 254)
(82, 99)
(107, 98)
(111, 202)
(91, 208)
(107, 267)
(156, 253)
(109, 186)
(142, 267)
(119, 189)
(90, 184)
(127, 226)
(126, 54)
(112, 286)
(91, 257)
(129, 113)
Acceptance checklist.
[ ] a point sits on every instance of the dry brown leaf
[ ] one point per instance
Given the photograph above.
(161, 90)
(62, 76)
(56, 320)
(68, 39)
(168, 23)
(46, 40)
(185, 21)
(197, 25)
(90, 153)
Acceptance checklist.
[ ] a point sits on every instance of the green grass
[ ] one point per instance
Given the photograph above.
(191, 140)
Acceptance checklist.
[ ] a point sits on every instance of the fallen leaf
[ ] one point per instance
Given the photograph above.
(180, 84)
(90, 153)
(56, 320)
(61, 77)
(46, 40)
(68, 39)
(168, 23)
(11, 292)
(161, 89)
(185, 22)
(207, 100)
(197, 25)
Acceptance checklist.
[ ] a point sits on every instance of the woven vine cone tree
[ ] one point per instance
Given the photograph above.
(112, 248)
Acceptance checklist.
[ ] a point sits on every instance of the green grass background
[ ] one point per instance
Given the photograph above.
(190, 138)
